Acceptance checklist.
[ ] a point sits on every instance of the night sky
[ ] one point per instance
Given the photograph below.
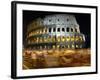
(82, 19)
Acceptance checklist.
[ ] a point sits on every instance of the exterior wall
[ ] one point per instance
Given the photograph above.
(60, 20)
(55, 31)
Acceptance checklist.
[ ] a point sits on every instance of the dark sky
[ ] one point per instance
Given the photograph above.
(82, 19)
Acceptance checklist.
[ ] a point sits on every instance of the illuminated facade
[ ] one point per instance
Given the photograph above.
(55, 31)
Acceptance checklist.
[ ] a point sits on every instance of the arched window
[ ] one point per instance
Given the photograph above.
(80, 38)
(58, 38)
(49, 39)
(42, 31)
(54, 29)
(68, 38)
(63, 29)
(49, 29)
(73, 46)
(63, 39)
(54, 46)
(77, 38)
(40, 39)
(75, 30)
(53, 39)
(71, 29)
(67, 19)
(58, 46)
(49, 20)
(72, 38)
(58, 19)
(63, 46)
(45, 39)
(76, 46)
(58, 30)
(67, 29)
(68, 46)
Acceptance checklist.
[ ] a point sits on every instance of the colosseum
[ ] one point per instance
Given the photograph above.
(55, 41)
(55, 31)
